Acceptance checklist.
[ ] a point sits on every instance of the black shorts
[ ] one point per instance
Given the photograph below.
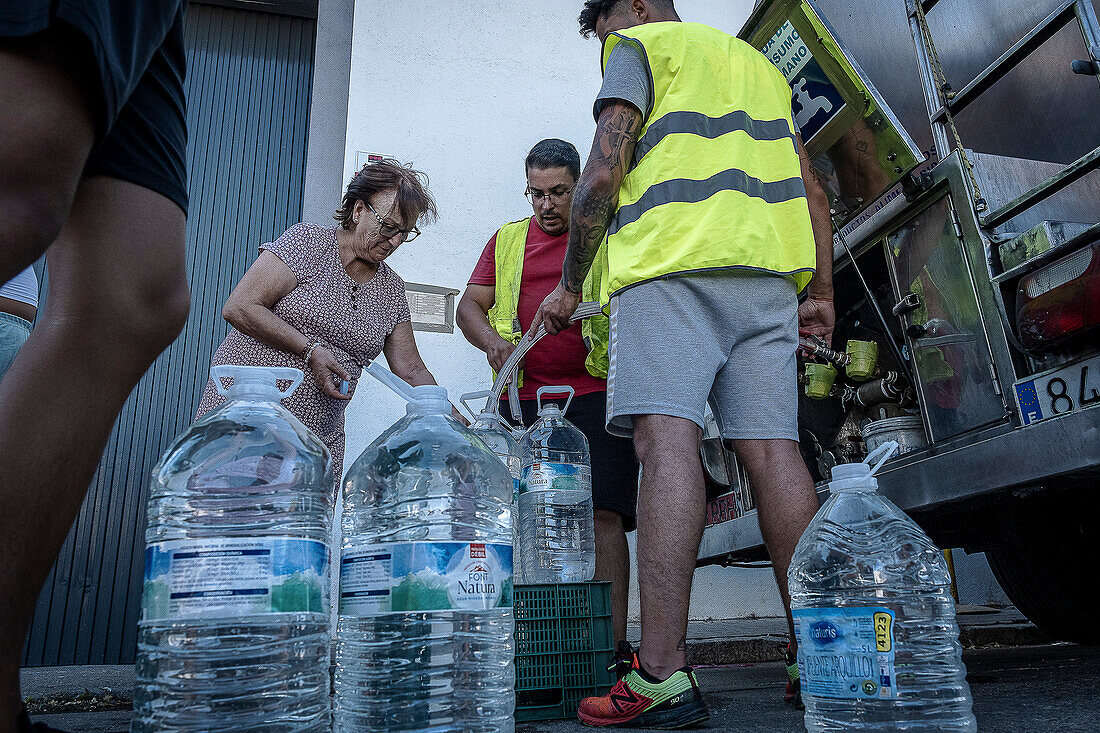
(614, 463)
(135, 53)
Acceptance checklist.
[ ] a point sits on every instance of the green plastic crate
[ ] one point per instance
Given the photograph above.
(564, 643)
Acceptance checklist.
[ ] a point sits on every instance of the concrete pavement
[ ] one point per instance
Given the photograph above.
(1016, 690)
(1037, 688)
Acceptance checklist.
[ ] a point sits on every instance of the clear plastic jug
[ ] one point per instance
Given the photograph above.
(495, 432)
(556, 530)
(878, 645)
(234, 630)
(424, 639)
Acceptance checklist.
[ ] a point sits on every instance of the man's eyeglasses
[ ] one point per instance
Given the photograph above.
(556, 197)
(388, 230)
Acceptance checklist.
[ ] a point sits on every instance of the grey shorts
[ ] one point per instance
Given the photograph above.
(729, 337)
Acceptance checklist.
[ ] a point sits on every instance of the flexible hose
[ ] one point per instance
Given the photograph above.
(508, 374)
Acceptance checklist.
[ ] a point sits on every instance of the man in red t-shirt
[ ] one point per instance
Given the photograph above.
(553, 167)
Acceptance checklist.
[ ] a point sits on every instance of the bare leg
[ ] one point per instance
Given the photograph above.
(613, 564)
(46, 133)
(785, 502)
(118, 297)
(671, 506)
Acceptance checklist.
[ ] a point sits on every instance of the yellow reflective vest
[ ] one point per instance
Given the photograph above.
(504, 315)
(716, 180)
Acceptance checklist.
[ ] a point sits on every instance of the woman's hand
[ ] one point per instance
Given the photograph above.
(324, 367)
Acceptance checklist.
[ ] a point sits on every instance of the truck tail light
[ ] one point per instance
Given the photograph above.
(1060, 300)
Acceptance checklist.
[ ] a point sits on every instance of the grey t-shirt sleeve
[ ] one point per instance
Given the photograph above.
(625, 77)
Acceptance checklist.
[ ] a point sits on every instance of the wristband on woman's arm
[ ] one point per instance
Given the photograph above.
(309, 350)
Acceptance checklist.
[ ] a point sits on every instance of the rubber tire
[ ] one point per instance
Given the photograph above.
(1050, 574)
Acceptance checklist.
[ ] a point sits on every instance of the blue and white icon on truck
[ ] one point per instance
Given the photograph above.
(814, 100)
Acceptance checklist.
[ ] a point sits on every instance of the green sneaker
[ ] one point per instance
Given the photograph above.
(637, 702)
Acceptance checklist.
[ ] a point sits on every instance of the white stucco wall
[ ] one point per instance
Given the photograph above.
(462, 91)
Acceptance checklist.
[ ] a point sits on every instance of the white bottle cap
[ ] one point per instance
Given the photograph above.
(430, 399)
(845, 471)
(861, 475)
(852, 476)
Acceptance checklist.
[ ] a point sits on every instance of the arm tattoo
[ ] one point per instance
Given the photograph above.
(597, 192)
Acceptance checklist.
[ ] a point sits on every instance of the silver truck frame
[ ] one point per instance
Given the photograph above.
(1025, 493)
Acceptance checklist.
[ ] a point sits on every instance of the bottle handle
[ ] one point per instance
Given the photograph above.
(474, 396)
(555, 390)
(290, 374)
(217, 373)
(886, 451)
(294, 376)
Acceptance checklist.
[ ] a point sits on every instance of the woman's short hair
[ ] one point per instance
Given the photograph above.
(414, 200)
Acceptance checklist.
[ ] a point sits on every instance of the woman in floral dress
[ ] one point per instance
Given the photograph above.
(323, 300)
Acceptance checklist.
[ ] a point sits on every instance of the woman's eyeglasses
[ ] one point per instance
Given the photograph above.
(388, 230)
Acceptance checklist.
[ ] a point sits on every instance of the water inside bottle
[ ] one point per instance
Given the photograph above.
(878, 646)
(234, 634)
(492, 430)
(557, 533)
(424, 639)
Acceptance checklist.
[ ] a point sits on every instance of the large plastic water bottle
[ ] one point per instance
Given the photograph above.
(234, 630)
(493, 431)
(424, 637)
(556, 529)
(878, 646)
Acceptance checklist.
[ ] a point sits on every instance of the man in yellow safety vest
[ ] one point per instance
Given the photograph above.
(520, 265)
(701, 197)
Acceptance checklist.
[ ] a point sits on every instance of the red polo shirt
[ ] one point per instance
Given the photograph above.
(554, 360)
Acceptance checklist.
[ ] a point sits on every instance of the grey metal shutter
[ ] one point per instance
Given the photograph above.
(248, 91)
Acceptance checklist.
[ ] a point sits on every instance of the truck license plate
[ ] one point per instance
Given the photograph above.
(1062, 391)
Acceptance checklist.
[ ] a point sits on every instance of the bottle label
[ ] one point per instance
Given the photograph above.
(846, 653)
(425, 576)
(235, 576)
(559, 476)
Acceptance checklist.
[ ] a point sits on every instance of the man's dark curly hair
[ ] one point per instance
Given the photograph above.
(593, 11)
(596, 9)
